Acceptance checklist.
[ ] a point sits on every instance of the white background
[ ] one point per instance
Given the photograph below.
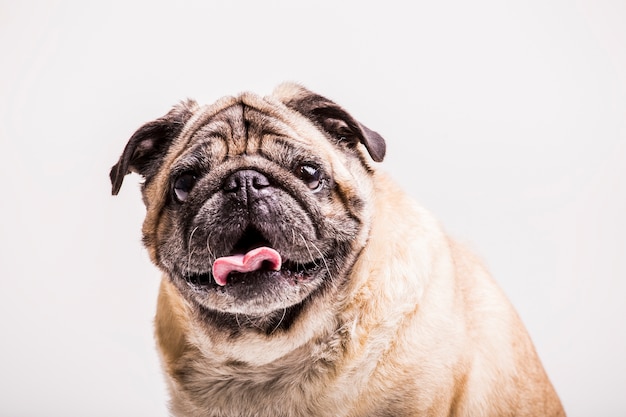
(505, 119)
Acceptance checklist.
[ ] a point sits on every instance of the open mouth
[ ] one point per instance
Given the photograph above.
(251, 261)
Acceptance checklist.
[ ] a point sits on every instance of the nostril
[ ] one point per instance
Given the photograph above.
(247, 179)
(232, 183)
(259, 180)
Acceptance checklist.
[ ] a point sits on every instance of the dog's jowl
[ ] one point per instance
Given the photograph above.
(299, 280)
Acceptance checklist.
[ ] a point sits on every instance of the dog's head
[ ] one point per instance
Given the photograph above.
(255, 206)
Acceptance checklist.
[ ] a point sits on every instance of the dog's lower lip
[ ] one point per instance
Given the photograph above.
(199, 280)
(290, 271)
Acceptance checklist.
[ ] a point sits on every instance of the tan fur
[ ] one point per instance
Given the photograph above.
(419, 329)
(443, 332)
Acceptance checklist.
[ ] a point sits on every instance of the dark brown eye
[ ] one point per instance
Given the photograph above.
(312, 177)
(183, 185)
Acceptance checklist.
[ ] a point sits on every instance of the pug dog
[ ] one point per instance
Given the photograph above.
(300, 280)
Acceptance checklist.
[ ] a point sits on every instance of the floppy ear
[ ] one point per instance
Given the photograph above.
(333, 119)
(149, 144)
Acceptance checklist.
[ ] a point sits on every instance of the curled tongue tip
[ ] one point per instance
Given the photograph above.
(251, 261)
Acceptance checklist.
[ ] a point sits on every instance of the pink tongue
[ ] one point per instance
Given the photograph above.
(251, 261)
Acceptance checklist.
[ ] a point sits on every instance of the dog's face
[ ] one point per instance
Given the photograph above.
(255, 206)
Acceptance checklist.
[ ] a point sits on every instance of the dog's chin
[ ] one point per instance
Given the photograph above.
(258, 293)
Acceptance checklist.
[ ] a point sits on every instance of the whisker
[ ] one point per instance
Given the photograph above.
(208, 247)
(309, 249)
(190, 249)
(280, 321)
(253, 323)
(323, 259)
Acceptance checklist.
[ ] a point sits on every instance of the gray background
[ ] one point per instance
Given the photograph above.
(505, 119)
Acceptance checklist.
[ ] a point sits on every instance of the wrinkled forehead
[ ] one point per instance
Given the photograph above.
(242, 122)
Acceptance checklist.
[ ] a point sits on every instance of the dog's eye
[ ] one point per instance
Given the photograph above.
(183, 185)
(312, 177)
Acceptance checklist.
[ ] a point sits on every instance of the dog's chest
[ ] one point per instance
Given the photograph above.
(295, 386)
(303, 382)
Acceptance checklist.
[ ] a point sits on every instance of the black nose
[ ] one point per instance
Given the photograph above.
(246, 183)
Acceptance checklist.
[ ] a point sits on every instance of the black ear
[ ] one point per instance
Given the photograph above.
(149, 144)
(335, 120)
